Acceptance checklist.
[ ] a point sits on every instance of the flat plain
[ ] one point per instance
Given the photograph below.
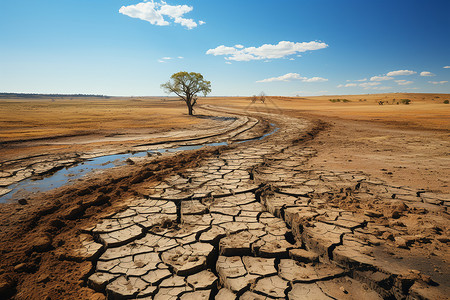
(345, 197)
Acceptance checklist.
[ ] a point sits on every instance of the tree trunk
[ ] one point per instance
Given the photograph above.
(190, 107)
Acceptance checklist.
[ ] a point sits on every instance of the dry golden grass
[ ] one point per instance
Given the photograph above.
(425, 110)
(30, 119)
(25, 119)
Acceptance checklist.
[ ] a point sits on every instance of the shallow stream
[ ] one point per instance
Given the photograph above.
(67, 175)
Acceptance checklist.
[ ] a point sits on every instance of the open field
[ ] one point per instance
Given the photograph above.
(343, 199)
(425, 111)
(28, 119)
(405, 144)
(65, 125)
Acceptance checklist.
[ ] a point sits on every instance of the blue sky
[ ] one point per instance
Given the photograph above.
(298, 47)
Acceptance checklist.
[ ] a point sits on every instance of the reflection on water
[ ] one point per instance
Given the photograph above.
(25, 187)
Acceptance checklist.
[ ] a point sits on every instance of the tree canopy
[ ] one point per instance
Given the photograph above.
(186, 86)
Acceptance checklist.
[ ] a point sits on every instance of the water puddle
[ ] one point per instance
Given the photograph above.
(67, 175)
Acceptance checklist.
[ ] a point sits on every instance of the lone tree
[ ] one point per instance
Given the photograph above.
(186, 86)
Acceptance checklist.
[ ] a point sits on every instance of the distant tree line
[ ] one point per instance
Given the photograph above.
(38, 96)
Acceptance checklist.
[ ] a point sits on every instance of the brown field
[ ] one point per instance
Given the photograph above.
(402, 145)
(361, 125)
(28, 119)
(426, 111)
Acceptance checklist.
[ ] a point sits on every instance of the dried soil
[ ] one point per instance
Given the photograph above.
(38, 234)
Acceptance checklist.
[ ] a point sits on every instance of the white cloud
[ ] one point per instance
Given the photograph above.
(222, 50)
(201, 22)
(266, 51)
(438, 82)
(361, 80)
(403, 82)
(347, 85)
(400, 72)
(380, 88)
(167, 58)
(228, 63)
(315, 79)
(381, 78)
(239, 46)
(293, 76)
(155, 12)
(446, 67)
(367, 85)
(425, 73)
(286, 77)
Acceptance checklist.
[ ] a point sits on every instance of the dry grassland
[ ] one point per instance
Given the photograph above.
(28, 119)
(424, 111)
(401, 144)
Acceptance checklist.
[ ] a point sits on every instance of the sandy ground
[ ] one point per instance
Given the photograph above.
(405, 145)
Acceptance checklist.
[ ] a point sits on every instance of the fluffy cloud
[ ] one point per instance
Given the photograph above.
(315, 79)
(266, 51)
(222, 50)
(155, 12)
(381, 88)
(347, 85)
(446, 67)
(368, 85)
(438, 82)
(167, 58)
(380, 78)
(425, 73)
(400, 72)
(294, 76)
(365, 85)
(403, 82)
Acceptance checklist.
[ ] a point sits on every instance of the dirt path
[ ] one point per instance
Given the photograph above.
(258, 220)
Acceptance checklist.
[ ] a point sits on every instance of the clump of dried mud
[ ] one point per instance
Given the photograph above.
(36, 237)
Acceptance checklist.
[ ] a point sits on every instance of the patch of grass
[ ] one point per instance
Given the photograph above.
(405, 101)
(339, 100)
(32, 118)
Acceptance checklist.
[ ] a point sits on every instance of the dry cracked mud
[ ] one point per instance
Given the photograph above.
(252, 222)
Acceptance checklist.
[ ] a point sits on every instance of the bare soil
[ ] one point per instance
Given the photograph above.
(37, 237)
(410, 151)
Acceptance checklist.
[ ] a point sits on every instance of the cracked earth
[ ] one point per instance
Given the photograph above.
(254, 222)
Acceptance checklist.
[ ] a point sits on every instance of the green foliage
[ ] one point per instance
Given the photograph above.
(339, 100)
(186, 86)
(405, 101)
(446, 101)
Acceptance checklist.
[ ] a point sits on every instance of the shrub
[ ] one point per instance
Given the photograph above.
(405, 101)
(339, 100)
(446, 101)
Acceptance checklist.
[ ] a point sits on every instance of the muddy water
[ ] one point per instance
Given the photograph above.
(68, 175)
